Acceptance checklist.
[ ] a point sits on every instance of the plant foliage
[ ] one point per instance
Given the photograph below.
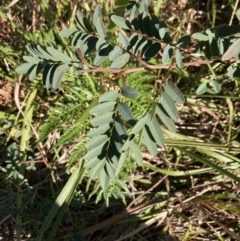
(119, 131)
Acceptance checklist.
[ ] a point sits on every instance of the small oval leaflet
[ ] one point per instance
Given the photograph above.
(232, 51)
(99, 59)
(173, 91)
(100, 130)
(216, 86)
(110, 171)
(103, 108)
(95, 151)
(125, 112)
(91, 163)
(200, 36)
(65, 33)
(120, 61)
(151, 145)
(168, 122)
(140, 124)
(58, 74)
(179, 59)
(169, 106)
(123, 40)
(167, 54)
(137, 153)
(129, 92)
(184, 41)
(109, 96)
(32, 60)
(100, 28)
(96, 141)
(156, 131)
(23, 69)
(57, 55)
(152, 51)
(102, 119)
(202, 88)
(115, 53)
(146, 25)
(104, 178)
(120, 22)
(97, 169)
(120, 163)
(35, 71)
(97, 13)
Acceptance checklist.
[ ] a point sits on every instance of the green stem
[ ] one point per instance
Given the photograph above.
(85, 115)
(23, 155)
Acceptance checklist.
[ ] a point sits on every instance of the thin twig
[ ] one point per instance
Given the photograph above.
(233, 13)
(147, 66)
(41, 148)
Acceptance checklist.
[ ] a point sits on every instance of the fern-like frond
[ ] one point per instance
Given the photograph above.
(70, 135)
(78, 152)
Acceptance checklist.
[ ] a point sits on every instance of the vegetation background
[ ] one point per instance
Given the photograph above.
(177, 195)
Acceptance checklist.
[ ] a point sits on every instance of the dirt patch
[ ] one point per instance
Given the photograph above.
(6, 93)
